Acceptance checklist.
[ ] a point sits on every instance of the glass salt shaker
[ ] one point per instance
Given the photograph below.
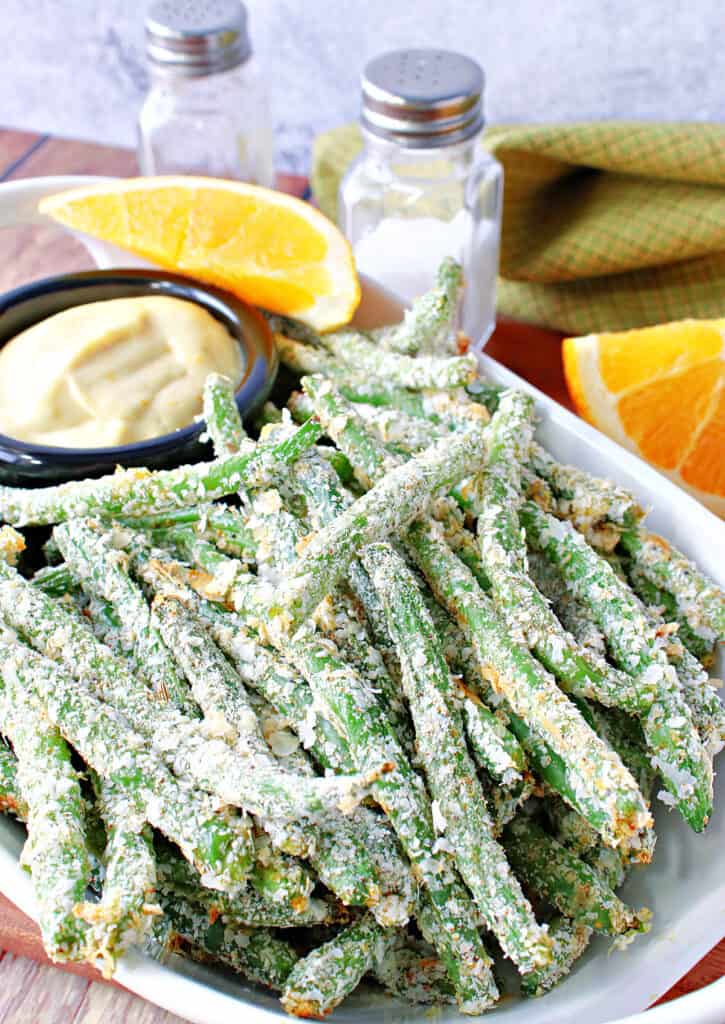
(424, 188)
(207, 110)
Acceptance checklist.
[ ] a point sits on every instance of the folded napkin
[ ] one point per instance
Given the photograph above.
(606, 225)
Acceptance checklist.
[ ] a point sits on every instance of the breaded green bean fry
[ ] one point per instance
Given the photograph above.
(248, 907)
(132, 492)
(11, 800)
(698, 600)
(321, 980)
(208, 839)
(223, 422)
(388, 507)
(429, 325)
(415, 976)
(605, 791)
(419, 373)
(103, 570)
(256, 953)
(555, 873)
(128, 905)
(666, 719)
(55, 851)
(571, 939)
(451, 774)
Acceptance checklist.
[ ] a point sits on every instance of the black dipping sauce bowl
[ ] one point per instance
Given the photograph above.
(28, 465)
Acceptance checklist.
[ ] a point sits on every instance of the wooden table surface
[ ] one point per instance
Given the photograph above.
(30, 989)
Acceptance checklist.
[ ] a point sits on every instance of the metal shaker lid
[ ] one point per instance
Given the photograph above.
(190, 38)
(422, 98)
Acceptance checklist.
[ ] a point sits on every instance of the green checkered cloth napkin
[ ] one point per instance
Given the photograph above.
(606, 225)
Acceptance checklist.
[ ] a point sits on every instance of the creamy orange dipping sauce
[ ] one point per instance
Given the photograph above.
(112, 373)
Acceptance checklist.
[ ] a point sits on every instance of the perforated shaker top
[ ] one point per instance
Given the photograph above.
(422, 97)
(197, 37)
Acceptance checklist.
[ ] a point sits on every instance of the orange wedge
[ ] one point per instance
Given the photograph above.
(659, 391)
(266, 247)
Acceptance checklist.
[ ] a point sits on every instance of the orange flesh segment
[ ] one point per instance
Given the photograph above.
(661, 349)
(245, 232)
(268, 248)
(213, 236)
(662, 417)
(103, 217)
(157, 222)
(704, 467)
(659, 391)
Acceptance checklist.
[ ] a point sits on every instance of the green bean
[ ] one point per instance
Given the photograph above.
(608, 864)
(667, 722)
(55, 851)
(450, 771)
(419, 373)
(302, 358)
(663, 602)
(339, 462)
(428, 326)
(571, 939)
(225, 527)
(568, 883)
(560, 766)
(418, 977)
(506, 801)
(504, 559)
(464, 955)
(585, 676)
(354, 710)
(597, 508)
(132, 492)
(449, 410)
(107, 744)
(338, 849)
(248, 907)
(43, 622)
(321, 980)
(624, 734)
(388, 507)
(278, 795)
(56, 580)
(698, 600)
(222, 522)
(572, 614)
(569, 827)
(399, 432)
(127, 907)
(103, 570)
(280, 878)
(11, 800)
(256, 954)
(210, 762)
(265, 671)
(316, 483)
(494, 748)
(223, 422)
(343, 424)
(604, 791)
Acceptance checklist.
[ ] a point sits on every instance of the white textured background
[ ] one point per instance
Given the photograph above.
(76, 67)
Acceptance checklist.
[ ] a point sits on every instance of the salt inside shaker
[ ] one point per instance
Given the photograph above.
(207, 110)
(424, 188)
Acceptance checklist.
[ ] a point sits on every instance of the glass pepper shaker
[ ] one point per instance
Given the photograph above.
(424, 188)
(207, 110)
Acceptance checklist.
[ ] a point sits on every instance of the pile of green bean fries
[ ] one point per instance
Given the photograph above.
(384, 693)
